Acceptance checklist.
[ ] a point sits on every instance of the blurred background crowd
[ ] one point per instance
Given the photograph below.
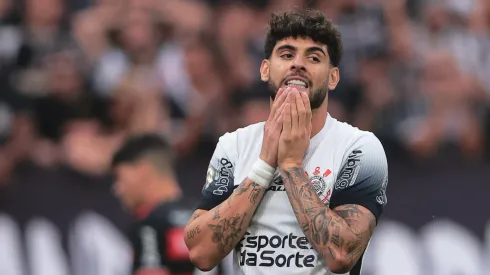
(78, 76)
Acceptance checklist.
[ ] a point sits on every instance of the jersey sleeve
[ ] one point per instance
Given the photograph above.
(363, 178)
(220, 181)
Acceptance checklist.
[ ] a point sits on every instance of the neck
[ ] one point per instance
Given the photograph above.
(157, 193)
(318, 118)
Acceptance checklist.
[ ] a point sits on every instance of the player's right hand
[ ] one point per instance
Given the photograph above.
(273, 129)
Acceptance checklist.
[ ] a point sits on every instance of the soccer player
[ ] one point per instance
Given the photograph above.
(301, 193)
(146, 185)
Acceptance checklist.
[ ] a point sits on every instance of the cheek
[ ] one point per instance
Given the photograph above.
(277, 73)
(321, 79)
(126, 186)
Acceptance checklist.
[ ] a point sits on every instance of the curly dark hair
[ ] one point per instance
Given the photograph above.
(304, 23)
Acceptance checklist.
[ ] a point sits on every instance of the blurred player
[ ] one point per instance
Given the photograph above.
(146, 185)
(302, 192)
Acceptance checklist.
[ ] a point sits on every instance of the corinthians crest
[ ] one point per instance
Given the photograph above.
(322, 188)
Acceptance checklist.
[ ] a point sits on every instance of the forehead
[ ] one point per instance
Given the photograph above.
(300, 43)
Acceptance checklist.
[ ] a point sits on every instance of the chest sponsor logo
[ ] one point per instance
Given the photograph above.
(261, 250)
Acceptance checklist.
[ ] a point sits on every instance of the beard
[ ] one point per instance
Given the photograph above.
(316, 96)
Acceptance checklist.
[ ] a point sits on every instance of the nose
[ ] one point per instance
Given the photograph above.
(298, 64)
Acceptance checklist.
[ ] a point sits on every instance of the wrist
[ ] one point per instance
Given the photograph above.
(262, 173)
(290, 165)
(268, 160)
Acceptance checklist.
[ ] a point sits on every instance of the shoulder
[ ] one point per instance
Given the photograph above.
(363, 158)
(241, 139)
(242, 134)
(356, 138)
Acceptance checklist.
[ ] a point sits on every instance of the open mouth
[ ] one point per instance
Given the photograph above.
(296, 83)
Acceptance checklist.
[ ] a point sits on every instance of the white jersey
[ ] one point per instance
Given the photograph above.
(346, 166)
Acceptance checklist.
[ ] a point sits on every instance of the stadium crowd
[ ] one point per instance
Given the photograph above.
(79, 76)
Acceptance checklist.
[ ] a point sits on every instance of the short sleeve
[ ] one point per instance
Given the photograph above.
(363, 178)
(220, 181)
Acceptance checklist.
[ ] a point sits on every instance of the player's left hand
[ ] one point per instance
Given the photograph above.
(296, 131)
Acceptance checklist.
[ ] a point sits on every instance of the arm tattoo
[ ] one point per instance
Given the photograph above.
(193, 232)
(227, 232)
(333, 233)
(254, 194)
(229, 229)
(216, 212)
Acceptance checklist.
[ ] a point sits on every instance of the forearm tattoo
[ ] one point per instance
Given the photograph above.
(228, 230)
(330, 232)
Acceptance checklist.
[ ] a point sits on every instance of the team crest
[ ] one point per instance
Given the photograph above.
(321, 186)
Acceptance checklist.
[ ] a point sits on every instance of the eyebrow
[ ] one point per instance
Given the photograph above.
(310, 49)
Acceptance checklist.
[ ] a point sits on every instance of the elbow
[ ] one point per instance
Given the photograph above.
(341, 264)
(201, 259)
(339, 268)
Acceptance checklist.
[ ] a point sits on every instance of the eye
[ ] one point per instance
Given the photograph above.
(287, 56)
(314, 59)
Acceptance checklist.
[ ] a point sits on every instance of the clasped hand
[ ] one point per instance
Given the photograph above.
(296, 130)
(287, 131)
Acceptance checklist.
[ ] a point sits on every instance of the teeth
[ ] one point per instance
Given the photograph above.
(296, 82)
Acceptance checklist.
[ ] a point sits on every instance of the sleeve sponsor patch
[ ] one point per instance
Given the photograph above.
(220, 180)
(176, 247)
(350, 171)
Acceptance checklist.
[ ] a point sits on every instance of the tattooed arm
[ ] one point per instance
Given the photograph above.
(339, 236)
(219, 230)
(341, 232)
(212, 235)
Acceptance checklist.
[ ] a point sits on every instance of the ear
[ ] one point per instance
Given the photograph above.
(333, 78)
(264, 70)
